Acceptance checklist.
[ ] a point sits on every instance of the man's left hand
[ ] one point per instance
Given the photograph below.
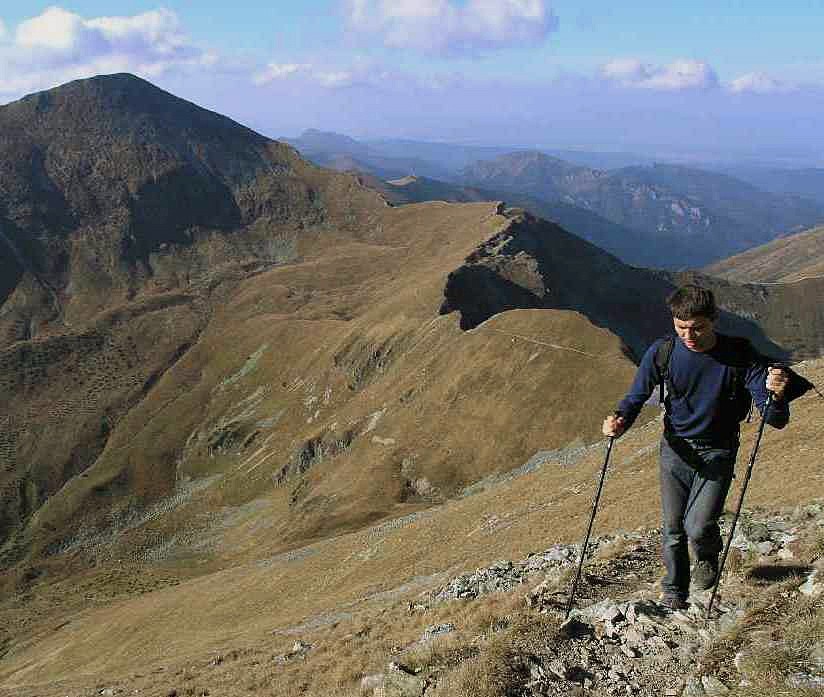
(777, 380)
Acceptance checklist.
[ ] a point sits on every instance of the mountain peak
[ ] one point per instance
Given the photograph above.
(126, 84)
(120, 104)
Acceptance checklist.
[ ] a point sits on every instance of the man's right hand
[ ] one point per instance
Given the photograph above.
(614, 425)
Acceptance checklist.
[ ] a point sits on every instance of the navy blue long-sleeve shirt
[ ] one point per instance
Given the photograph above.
(702, 405)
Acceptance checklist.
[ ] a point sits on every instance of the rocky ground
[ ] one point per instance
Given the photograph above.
(621, 640)
(498, 632)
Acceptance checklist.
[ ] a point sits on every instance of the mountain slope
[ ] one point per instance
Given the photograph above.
(127, 215)
(631, 246)
(290, 363)
(359, 597)
(748, 206)
(689, 217)
(787, 259)
(106, 176)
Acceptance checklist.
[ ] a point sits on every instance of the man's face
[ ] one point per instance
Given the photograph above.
(698, 334)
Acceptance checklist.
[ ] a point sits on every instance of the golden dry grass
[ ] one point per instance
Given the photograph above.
(780, 635)
(247, 561)
(786, 259)
(242, 605)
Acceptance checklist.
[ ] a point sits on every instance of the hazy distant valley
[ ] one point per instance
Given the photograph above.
(646, 213)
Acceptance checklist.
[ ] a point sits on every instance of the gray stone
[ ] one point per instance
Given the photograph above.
(372, 682)
(684, 623)
(757, 532)
(630, 651)
(606, 629)
(713, 686)
(611, 613)
(812, 586)
(559, 553)
(805, 680)
(765, 548)
(632, 637)
(400, 681)
(630, 613)
(436, 630)
(728, 620)
(693, 688)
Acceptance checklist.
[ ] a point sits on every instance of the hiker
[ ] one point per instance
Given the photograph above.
(711, 381)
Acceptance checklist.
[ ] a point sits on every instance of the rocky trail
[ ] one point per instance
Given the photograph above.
(621, 640)
(497, 631)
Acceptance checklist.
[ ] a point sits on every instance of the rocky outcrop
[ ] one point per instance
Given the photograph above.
(536, 264)
(630, 644)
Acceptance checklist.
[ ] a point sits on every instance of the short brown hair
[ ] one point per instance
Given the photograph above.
(691, 301)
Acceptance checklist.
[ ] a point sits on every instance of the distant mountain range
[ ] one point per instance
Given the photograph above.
(625, 243)
(667, 216)
(690, 215)
(343, 153)
(448, 159)
(807, 182)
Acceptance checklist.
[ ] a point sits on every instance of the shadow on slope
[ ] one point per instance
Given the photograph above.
(535, 264)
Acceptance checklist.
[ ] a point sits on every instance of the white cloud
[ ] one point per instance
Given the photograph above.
(628, 71)
(758, 83)
(447, 28)
(55, 30)
(360, 72)
(278, 71)
(679, 75)
(335, 78)
(58, 45)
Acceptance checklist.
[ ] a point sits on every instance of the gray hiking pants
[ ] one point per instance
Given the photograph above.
(695, 479)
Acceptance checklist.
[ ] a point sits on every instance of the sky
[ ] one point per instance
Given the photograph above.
(705, 79)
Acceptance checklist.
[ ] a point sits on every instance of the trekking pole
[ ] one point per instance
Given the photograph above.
(740, 504)
(589, 528)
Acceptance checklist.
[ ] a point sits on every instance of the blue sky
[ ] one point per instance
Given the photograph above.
(705, 77)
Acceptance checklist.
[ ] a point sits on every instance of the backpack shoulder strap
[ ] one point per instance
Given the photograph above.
(737, 390)
(663, 354)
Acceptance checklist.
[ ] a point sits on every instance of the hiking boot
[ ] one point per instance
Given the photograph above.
(704, 573)
(674, 602)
